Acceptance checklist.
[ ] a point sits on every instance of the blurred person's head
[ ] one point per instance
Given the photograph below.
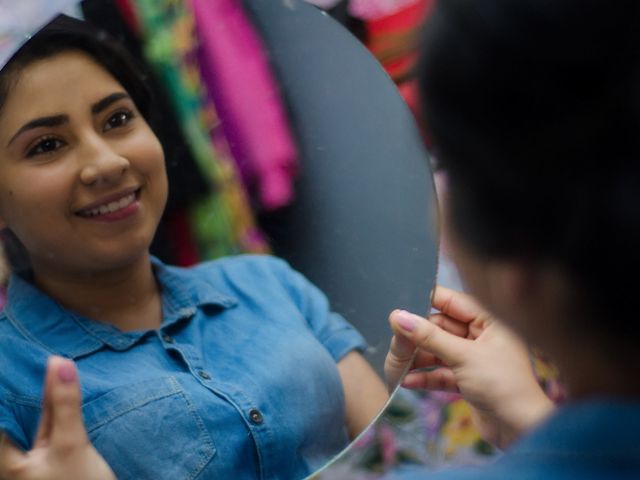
(533, 110)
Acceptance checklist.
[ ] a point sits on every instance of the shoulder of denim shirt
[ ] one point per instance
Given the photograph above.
(244, 264)
(217, 281)
(247, 271)
(5, 326)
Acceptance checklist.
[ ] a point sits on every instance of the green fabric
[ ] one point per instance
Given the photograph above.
(222, 222)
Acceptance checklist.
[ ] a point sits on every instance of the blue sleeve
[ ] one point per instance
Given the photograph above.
(337, 335)
(9, 424)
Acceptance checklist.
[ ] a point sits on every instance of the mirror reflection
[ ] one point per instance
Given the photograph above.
(136, 142)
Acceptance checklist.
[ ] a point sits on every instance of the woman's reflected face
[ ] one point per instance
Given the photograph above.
(82, 176)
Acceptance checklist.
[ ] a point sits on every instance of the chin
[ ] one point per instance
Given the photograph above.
(116, 258)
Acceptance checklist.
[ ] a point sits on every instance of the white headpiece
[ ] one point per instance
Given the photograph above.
(19, 19)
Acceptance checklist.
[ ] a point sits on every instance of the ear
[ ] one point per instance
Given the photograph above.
(509, 283)
(527, 295)
(505, 286)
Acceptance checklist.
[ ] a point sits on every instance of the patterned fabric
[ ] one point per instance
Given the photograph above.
(393, 38)
(427, 429)
(591, 439)
(223, 222)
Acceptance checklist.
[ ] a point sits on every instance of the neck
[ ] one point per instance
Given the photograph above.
(592, 371)
(127, 297)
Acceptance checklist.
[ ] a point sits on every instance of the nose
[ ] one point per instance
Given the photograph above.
(101, 163)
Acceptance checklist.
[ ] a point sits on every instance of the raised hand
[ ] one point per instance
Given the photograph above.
(464, 349)
(62, 450)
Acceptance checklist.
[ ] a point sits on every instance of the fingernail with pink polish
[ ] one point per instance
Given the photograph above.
(406, 320)
(67, 372)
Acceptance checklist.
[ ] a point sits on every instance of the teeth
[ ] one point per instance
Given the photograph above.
(112, 206)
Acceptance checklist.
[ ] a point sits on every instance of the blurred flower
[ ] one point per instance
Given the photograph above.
(388, 444)
(459, 431)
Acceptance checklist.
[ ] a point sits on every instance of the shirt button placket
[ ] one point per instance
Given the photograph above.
(204, 375)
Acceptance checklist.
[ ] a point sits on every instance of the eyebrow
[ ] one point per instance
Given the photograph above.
(52, 121)
(108, 100)
(57, 120)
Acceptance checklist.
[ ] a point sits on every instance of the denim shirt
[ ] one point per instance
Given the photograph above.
(240, 381)
(591, 440)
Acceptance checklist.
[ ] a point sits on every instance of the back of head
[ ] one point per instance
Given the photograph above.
(533, 108)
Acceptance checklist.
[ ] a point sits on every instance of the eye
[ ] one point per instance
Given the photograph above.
(118, 119)
(44, 146)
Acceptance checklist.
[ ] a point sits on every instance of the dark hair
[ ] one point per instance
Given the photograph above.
(533, 109)
(67, 33)
(62, 34)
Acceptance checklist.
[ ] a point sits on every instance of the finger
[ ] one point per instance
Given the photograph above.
(427, 336)
(441, 379)
(44, 427)
(418, 358)
(424, 359)
(12, 459)
(457, 305)
(398, 359)
(455, 327)
(67, 427)
(401, 348)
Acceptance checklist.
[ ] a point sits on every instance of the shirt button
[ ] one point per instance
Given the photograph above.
(255, 416)
(204, 375)
(167, 338)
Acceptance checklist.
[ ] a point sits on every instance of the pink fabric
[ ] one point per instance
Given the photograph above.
(376, 9)
(246, 96)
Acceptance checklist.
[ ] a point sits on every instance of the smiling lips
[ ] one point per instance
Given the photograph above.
(113, 210)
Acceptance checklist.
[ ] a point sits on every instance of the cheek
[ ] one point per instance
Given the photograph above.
(33, 197)
(147, 151)
(472, 270)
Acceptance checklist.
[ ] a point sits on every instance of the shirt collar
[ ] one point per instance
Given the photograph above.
(44, 321)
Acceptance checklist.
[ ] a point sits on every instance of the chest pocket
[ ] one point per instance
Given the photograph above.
(149, 430)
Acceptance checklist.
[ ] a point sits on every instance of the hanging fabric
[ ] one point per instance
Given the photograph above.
(223, 222)
(392, 29)
(128, 12)
(246, 96)
(377, 9)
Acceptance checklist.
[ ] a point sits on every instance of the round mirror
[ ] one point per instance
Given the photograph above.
(256, 400)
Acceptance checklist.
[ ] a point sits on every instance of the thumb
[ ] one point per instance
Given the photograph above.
(399, 358)
(67, 427)
(425, 335)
